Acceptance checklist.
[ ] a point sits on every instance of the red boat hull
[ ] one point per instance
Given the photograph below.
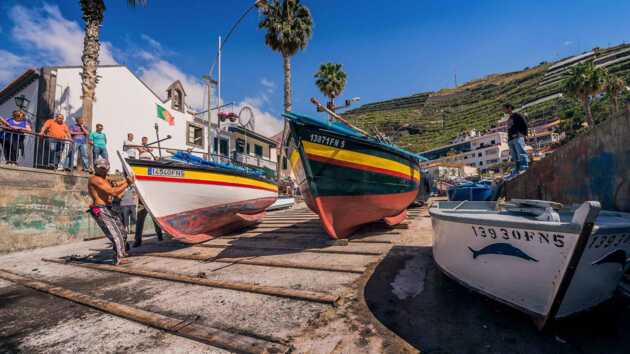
(204, 224)
(343, 215)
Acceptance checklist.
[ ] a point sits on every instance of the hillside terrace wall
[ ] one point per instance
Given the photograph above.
(594, 166)
(41, 208)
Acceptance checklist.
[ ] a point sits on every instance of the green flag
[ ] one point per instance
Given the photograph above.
(163, 114)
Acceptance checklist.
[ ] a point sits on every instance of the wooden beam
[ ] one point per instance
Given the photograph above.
(264, 263)
(297, 249)
(183, 278)
(292, 226)
(370, 241)
(208, 335)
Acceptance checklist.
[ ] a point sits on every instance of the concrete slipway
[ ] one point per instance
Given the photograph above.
(298, 292)
(286, 252)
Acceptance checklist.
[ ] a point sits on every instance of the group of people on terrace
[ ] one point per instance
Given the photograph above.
(62, 146)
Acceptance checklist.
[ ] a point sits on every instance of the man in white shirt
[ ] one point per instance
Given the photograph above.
(130, 147)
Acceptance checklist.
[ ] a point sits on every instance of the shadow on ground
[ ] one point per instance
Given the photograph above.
(410, 296)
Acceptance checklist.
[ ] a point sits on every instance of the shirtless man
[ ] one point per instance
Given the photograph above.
(102, 192)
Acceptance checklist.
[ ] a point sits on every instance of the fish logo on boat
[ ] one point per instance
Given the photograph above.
(618, 256)
(504, 249)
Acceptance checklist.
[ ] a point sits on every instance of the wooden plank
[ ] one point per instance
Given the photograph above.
(259, 262)
(370, 241)
(291, 222)
(280, 248)
(306, 295)
(292, 226)
(208, 335)
(280, 231)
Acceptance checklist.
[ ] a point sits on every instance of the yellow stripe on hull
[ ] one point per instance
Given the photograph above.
(211, 177)
(343, 155)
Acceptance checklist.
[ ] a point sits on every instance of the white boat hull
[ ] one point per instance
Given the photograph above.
(542, 268)
(194, 204)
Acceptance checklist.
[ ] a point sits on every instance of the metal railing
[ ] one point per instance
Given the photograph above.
(254, 161)
(28, 149)
(236, 159)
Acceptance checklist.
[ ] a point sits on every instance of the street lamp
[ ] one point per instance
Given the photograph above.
(260, 4)
(22, 102)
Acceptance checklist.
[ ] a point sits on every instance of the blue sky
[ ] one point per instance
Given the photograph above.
(388, 49)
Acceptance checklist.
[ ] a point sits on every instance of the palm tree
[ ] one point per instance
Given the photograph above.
(289, 27)
(331, 80)
(614, 85)
(583, 82)
(93, 16)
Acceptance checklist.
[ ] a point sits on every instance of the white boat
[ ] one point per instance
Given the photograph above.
(283, 202)
(548, 262)
(196, 202)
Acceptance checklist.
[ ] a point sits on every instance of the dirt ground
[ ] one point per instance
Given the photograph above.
(430, 311)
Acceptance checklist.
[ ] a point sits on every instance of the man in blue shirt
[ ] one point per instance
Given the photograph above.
(98, 140)
(79, 136)
(12, 136)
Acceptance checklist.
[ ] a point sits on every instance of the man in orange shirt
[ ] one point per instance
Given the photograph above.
(58, 131)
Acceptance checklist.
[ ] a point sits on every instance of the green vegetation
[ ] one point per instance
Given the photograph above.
(289, 27)
(436, 118)
(583, 82)
(331, 80)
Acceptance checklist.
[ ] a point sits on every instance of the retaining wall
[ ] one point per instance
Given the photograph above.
(594, 166)
(41, 208)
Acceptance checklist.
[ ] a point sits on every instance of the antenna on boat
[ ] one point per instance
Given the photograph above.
(336, 116)
(157, 135)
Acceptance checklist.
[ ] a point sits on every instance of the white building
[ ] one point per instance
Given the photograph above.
(482, 152)
(124, 104)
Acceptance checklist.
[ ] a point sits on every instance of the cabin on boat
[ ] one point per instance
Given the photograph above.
(125, 104)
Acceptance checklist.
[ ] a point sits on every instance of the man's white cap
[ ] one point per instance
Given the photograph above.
(101, 163)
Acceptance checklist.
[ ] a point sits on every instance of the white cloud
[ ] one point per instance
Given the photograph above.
(48, 38)
(159, 74)
(267, 124)
(268, 84)
(567, 43)
(51, 38)
(11, 65)
(157, 47)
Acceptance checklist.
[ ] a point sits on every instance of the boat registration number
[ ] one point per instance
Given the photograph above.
(519, 235)
(326, 140)
(165, 172)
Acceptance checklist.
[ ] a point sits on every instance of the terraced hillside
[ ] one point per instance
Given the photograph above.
(427, 120)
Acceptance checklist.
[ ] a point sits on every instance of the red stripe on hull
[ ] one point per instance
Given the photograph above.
(204, 224)
(197, 181)
(357, 166)
(343, 215)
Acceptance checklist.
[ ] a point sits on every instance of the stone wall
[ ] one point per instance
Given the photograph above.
(41, 208)
(594, 166)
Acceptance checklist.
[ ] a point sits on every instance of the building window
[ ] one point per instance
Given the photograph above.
(258, 150)
(480, 163)
(480, 154)
(285, 165)
(177, 100)
(194, 135)
(492, 142)
(224, 146)
(240, 145)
